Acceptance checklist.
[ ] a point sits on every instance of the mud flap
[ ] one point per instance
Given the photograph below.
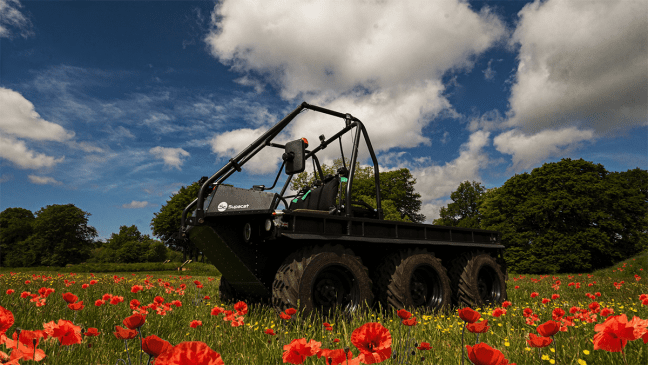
(227, 262)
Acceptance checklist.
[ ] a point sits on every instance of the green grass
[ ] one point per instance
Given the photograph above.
(249, 344)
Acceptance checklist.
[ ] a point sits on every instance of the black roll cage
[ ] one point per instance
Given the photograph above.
(234, 164)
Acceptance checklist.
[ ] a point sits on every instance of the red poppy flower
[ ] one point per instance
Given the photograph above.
(25, 294)
(93, 282)
(66, 332)
(478, 327)
(134, 304)
(538, 341)
(289, 311)
(482, 354)
(469, 315)
(155, 346)
(594, 307)
(527, 312)
(190, 353)
(534, 294)
(548, 328)
(545, 300)
(116, 300)
(506, 304)
(403, 314)
(106, 297)
(195, 324)
(76, 306)
(70, 298)
(557, 314)
(424, 346)
(616, 331)
(217, 310)
(10, 291)
(270, 331)
(124, 334)
(197, 282)
(555, 296)
(298, 350)
(242, 308)
(158, 299)
(99, 302)
(498, 312)
(6, 319)
(374, 342)
(91, 332)
(135, 321)
(284, 316)
(410, 322)
(606, 312)
(136, 288)
(326, 324)
(338, 357)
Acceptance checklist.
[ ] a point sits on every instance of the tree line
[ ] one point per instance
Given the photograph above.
(567, 216)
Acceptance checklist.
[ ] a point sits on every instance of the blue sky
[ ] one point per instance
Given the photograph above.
(114, 105)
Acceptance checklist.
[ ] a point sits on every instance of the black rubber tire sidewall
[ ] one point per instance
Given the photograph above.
(468, 289)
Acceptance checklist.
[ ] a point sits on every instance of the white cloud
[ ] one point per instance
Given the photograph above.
(18, 118)
(172, 157)
(229, 144)
(531, 150)
(43, 180)
(135, 205)
(11, 17)
(435, 182)
(582, 62)
(381, 61)
(17, 152)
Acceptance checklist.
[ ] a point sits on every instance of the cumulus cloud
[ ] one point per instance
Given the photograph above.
(229, 144)
(43, 180)
(530, 150)
(581, 63)
(135, 205)
(12, 20)
(172, 157)
(434, 182)
(17, 152)
(382, 61)
(19, 119)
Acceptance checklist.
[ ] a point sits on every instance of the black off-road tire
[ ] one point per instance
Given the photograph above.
(477, 280)
(322, 278)
(412, 279)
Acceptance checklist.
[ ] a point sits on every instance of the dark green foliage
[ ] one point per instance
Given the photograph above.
(569, 216)
(130, 246)
(57, 236)
(166, 223)
(464, 210)
(398, 199)
(15, 227)
(62, 235)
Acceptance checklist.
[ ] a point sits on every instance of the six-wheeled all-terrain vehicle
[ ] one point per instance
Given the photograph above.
(323, 250)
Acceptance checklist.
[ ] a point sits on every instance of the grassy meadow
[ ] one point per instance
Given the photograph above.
(617, 288)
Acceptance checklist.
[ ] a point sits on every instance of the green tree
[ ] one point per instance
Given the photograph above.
(464, 211)
(166, 223)
(399, 200)
(62, 235)
(15, 227)
(129, 246)
(569, 216)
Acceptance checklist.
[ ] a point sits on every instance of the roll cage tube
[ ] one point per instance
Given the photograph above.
(264, 140)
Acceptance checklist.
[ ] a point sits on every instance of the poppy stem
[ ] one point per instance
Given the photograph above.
(140, 335)
(127, 353)
(463, 330)
(625, 361)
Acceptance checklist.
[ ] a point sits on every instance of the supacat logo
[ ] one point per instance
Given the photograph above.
(223, 206)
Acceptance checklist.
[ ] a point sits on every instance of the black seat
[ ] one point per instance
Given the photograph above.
(320, 198)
